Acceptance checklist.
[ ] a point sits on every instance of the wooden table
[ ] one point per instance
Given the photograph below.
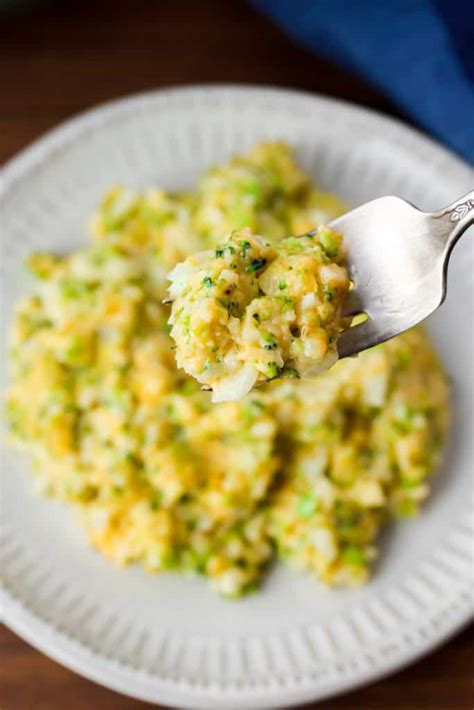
(67, 56)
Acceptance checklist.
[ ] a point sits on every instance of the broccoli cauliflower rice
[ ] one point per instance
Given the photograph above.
(249, 312)
(306, 471)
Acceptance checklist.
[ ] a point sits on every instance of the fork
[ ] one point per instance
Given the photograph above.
(397, 259)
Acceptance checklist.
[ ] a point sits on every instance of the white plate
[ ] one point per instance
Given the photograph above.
(168, 639)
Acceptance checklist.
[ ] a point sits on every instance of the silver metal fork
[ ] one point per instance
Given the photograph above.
(397, 258)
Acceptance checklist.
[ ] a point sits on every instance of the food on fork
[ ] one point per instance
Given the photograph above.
(249, 312)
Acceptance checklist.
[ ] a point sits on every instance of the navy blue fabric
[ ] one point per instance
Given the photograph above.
(459, 19)
(407, 48)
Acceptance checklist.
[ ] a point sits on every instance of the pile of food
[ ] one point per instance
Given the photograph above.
(249, 312)
(306, 470)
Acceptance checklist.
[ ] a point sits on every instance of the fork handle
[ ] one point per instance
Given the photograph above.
(456, 218)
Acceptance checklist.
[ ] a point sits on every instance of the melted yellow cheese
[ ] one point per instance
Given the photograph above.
(156, 472)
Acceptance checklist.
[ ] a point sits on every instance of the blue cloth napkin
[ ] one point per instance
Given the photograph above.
(420, 53)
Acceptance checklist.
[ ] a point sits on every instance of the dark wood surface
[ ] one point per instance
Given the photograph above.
(64, 57)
